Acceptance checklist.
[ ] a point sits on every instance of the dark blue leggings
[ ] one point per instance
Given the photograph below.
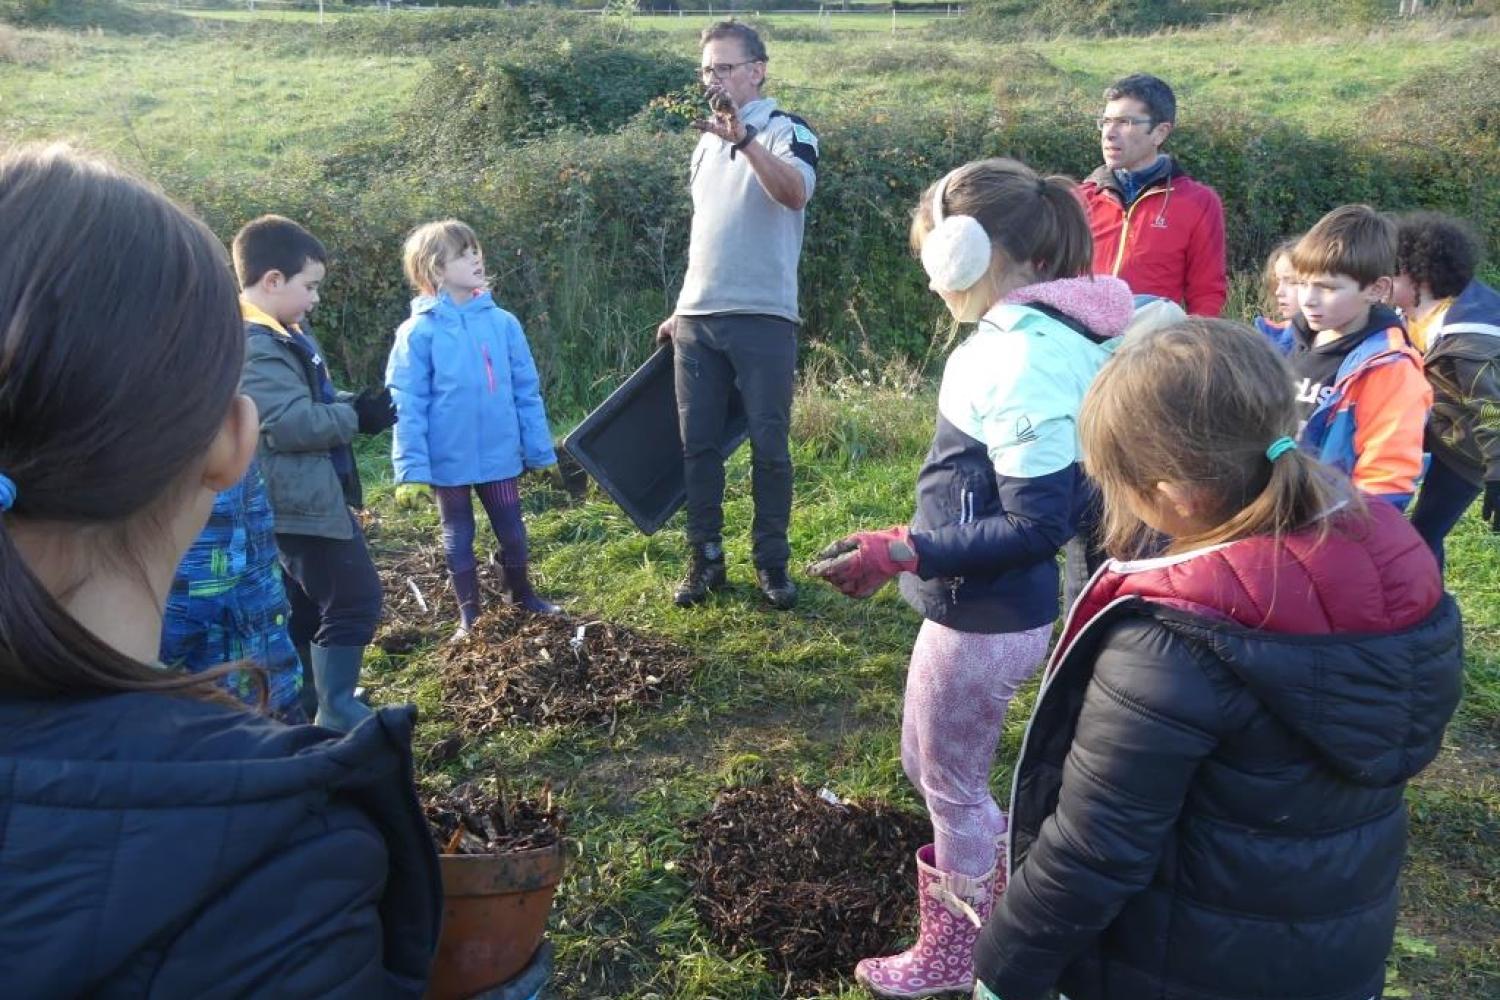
(1444, 497)
(502, 502)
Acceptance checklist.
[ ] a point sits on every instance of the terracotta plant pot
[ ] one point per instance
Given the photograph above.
(494, 912)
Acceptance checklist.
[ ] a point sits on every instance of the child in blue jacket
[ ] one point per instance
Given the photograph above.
(470, 408)
(227, 602)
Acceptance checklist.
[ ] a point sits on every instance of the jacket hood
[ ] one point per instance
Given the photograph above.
(1347, 638)
(1100, 302)
(1475, 310)
(1374, 706)
(442, 304)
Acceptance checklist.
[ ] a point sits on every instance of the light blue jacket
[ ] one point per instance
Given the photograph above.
(467, 395)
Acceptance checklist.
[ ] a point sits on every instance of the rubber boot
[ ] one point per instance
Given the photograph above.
(1002, 864)
(466, 589)
(308, 696)
(705, 574)
(951, 909)
(518, 586)
(336, 672)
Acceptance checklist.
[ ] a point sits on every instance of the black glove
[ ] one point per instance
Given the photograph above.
(375, 409)
(1491, 509)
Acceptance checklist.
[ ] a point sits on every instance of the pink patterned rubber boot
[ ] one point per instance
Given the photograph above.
(951, 909)
(1002, 865)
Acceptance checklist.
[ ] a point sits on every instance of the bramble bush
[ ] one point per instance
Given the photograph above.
(470, 105)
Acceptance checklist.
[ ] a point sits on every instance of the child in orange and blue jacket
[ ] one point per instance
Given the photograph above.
(1361, 397)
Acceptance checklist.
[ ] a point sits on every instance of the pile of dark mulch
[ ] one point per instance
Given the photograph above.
(517, 667)
(480, 818)
(817, 885)
(418, 609)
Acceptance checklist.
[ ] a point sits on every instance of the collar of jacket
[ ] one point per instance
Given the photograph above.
(1104, 178)
(1380, 318)
(252, 313)
(758, 112)
(442, 303)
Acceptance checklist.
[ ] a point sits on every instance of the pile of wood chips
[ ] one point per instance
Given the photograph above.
(816, 884)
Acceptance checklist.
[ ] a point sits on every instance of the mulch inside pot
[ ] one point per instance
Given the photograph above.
(816, 885)
(517, 667)
(479, 817)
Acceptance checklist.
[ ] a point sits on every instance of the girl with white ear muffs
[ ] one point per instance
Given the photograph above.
(1001, 491)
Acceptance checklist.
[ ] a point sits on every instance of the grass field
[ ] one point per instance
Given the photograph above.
(217, 105)
(816, 694)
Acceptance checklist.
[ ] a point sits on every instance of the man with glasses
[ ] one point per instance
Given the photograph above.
(735, 325)
(1154, 227)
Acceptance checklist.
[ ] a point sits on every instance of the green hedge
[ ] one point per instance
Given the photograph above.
(586, 233)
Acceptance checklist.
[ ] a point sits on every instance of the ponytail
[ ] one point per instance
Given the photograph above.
(45, 652)
(1298, 492)
(1069, 250)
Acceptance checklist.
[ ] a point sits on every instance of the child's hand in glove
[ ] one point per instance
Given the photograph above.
(412, 496)
(375, 409)
(862, 563)
(551, 475)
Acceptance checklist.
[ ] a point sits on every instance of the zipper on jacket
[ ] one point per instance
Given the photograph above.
(1125, 225)
(489, 367)
(965, 516)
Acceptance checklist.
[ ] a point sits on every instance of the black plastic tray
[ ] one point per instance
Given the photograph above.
(631, 446)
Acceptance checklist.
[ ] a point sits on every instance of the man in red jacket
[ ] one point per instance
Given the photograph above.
(1154, 226)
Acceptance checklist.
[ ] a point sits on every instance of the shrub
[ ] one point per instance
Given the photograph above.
(468, 107)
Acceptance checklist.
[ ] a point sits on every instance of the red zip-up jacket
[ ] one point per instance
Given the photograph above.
(1169, 242)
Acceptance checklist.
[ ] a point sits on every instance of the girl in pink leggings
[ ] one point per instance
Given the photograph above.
(1000, 493)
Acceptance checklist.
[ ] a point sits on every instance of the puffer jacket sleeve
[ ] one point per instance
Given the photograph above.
(1149, 717)
(526, 386)
(408, 373)
(290, 419)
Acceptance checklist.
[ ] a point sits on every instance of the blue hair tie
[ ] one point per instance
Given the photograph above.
(7, 492)
(1280, 447)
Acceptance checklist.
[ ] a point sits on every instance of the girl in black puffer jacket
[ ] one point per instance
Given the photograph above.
(1209, 801)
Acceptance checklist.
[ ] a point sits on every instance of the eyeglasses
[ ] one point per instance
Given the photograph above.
(721, 70)
(1124, 121)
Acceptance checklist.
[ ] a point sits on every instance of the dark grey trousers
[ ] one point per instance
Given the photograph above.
(757, 355)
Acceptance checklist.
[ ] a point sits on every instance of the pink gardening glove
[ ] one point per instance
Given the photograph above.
(862, 563)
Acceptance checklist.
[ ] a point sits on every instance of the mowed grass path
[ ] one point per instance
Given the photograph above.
(816, 694)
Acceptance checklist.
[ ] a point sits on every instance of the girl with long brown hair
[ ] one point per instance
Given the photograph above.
(160, 839)
(1209, 798)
